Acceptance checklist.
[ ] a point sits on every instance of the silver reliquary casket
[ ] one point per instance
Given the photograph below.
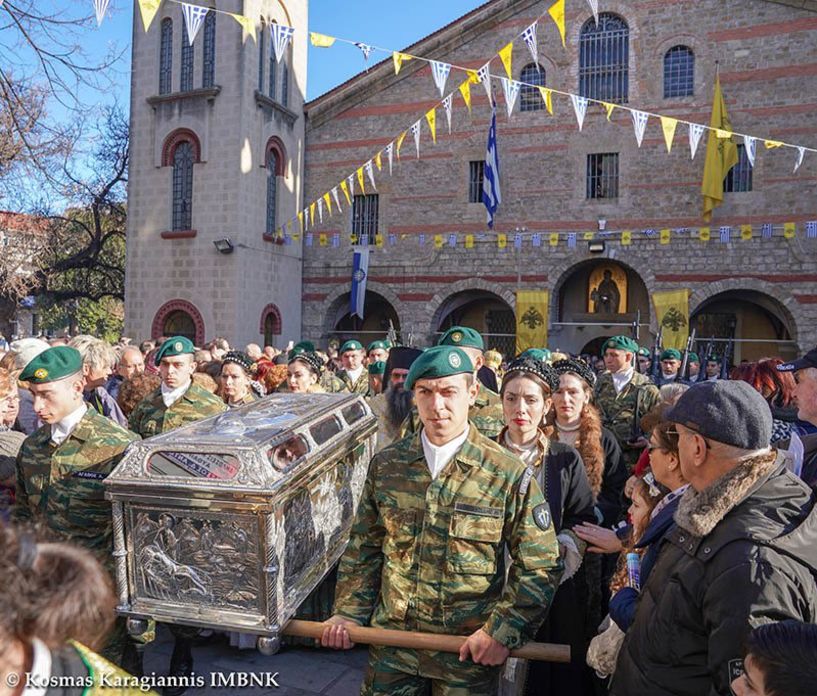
(232, 521)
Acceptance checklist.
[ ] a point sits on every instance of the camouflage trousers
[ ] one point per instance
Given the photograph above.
(385, 678)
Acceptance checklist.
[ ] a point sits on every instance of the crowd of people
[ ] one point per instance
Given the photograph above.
(661, 523)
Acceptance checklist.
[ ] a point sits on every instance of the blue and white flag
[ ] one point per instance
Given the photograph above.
(491, 194)
(766, 230)
(440, 73)
(360, 271)
(281, 36)
(193, 19)
(100, 7)
(529, 35)
(811, 230)
(726, 234)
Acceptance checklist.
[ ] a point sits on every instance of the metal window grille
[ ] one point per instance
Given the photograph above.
(166, 57)
(365, 218)
(476, 178)
(604, 57)
(739, 178)
(602, 175)
(209, 61)
(186, 82)
(284, 82)
(272, 191)
(679, 72)
(529, 97)
(183, 186)
(262, 57)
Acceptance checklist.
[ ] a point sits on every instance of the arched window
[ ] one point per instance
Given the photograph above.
(604, 58)
(272, 190)
(183, 158)
(530, 99)
(179, 323)
(273, 76)
(262, 57)
(208, 73)
(166, 57)
(284, 82)
(679, 72)
(270, 324)
(178, 318)
(186, 80)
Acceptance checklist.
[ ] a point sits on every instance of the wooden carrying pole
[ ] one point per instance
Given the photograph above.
(542, 652)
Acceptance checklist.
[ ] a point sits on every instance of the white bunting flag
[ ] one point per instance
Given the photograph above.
(511, 90)
(415, 131)
(580, 107)
(281, 36)
(448, 106)
(695, 133)
(370, 171)
(350, 180)
(193, 19)
(594, 8)
(366, 49)
(801, 153)
(529, 35)
(336, 197)
(320, 210)
(640, 119)
(390, 155)
(484, 76)
(571, 240)
(751, 148)
(440, 73)
(100, 7)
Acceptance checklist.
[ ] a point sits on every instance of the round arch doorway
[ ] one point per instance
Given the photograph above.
(379, 317)
(484, 311)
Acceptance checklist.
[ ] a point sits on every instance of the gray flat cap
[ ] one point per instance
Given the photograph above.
(727, 411)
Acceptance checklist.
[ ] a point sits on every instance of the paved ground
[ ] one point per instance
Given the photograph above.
(301, 671)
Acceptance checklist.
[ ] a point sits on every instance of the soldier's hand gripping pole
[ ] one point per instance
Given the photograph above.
(542, 652)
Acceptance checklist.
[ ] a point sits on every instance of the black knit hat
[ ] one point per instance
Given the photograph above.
(535, 367)
(240, 359)
(576, 367)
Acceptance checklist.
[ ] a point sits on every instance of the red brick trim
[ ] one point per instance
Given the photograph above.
(179, 234)
(414, 297)
(806, 299)
(712, 278)
(758, 30)
(271, 310)
(157, 328)
(172, 141)
(277, 145)
(314, 296)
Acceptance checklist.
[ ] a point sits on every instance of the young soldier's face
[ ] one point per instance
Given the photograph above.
(378, 355)
(443, 405)
(177, 370)
(352, 359)
(616, 360)
(55, 400)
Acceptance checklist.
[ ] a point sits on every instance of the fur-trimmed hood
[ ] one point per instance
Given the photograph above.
(700, 512)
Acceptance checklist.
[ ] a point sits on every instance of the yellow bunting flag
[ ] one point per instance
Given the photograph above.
(345, 188)
(148, 10)
(554, 239)
(321, 40)
(557, 14)
(721, 155)
(506, 55)
(301, 219)
(588, 236)
(322, 239)
(400, 139)
(723, 134)
(547, 96)
(502, 240)
(608, 107)
(431, 117)
(328, 200)
(359, 173)
(296, 237)
(378, 160)
(438, 241)
(672, 312)
(473, 76)
(469, 241)
(626, 238)
(247, 23)
(465, 91)
(312, 214)
(531, 319)
(665, 236)
(745, 232)
(378, 240)
(399, 59)
(771, 144)
(704, 234)
(789, 230)
(668, 125)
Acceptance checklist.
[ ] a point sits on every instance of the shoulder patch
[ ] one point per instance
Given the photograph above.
(541, 515)
(526, 477)
(734, 669)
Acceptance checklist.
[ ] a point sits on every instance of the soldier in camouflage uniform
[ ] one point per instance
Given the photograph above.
(178, 400)
(428, 548)
(623, 396)
(353, 375)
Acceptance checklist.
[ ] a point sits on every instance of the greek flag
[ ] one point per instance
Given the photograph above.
(360, 271)
(491, 195)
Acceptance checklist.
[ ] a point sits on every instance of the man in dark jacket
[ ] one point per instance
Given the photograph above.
(805, 394)
(742, 552)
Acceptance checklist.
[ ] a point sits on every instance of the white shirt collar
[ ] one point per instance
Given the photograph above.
(63, 428)
(667, 499)
(355, 374)
(438, 456)
(622, 379)
(171, 396)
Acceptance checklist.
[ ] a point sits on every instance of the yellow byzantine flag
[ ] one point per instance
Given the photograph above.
(506, 55)
(438, 241)
(668, 125)
(322, 239)
(626, 238)
(345, 188)
(360, 179)
(321, 40)
(672, 312)
(531, 319)
(721, 155)
(705, 234)
(431, 117)
(469, 241)
(247, 23)
(148, 10)
(399, 59)
(465, 91)
(400, 139)
(557, 14)
(547, 96)
(665, 236)
(789, 230)
(745, 232)
(328, 200)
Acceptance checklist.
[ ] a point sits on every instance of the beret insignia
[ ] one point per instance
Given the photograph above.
(178, 345)
(454, 361)
(456, 337)
(41, 373)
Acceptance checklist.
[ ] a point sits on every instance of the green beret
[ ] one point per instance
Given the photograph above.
(377, 368)
(540, 354)
(51, 365)
(693, 358)
(462, 337)
(304, 347)
(437, 362)
(620, 343)
(644, 352)
(176, 345)
(350, 345)
(671, 354)
(377, 345)
(713, 359)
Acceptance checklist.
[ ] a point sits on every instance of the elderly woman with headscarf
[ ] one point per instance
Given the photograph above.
(237, 380)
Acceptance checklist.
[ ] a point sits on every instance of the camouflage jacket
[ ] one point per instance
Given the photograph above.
(621, 413)
(429, 555)
(151, 416)
(62, 485)
(331, 383)
(486, 414)
(361, 386)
